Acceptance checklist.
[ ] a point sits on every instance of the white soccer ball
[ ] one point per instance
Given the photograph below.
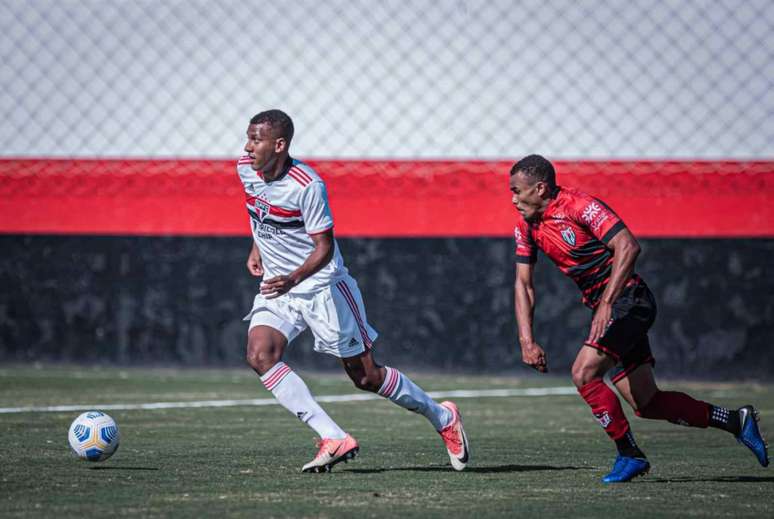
(94, 436)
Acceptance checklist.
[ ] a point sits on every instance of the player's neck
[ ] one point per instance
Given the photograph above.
(547, 202)
(280, 168)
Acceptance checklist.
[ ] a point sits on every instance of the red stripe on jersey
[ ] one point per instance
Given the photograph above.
(601, 348)
(320, 232)
(281, 211)
(301, 173)
(298, 179)
(273, 209)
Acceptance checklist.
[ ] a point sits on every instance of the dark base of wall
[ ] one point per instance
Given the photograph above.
(439, 304)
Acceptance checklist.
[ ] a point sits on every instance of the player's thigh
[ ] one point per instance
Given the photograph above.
(633, 314)
(337, 319)
(638, 386)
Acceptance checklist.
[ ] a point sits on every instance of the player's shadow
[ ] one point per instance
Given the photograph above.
(717, 479)
(123, 468)
(491, 469)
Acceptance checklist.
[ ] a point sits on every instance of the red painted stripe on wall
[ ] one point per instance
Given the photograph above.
(378, 198)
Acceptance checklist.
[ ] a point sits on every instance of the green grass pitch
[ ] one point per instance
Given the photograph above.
(531, 456)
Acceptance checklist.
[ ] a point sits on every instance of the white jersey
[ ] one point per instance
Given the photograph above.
(284, 214)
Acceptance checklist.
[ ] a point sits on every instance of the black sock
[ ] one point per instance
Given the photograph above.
(628, 447)
(722, 418)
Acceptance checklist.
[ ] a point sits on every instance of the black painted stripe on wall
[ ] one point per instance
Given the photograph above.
(442, 304)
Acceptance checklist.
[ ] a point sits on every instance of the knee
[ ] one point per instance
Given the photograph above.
(642, 407)
(368, 381)
(583, 373)
(262, 355)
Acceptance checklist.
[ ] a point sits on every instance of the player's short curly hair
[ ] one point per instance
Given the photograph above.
(537, 169)
(280, 123)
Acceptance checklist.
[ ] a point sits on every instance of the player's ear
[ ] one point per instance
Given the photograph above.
(542, 189)
(280, 144)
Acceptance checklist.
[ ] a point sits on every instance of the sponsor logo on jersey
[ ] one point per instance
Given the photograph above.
(517, 234)
(568, 235)
(590, 212)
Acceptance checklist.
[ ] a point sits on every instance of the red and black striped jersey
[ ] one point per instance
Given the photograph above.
(573, 232)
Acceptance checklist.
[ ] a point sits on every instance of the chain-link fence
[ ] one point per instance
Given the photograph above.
(394, 78)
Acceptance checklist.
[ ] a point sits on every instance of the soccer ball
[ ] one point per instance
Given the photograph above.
(94, 436)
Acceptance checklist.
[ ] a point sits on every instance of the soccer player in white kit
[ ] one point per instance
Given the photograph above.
(305, 284)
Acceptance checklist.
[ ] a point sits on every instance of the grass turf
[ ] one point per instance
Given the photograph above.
(530, 455)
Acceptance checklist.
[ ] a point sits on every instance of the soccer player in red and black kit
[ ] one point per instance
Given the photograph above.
(591, 245)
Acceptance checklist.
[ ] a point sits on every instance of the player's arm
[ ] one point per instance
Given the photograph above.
(524, 293)
(625, 251)
(254, 262)
(320, 256)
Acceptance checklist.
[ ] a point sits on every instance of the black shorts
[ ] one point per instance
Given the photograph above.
(626, 338)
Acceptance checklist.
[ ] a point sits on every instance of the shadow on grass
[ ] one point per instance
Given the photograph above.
(718, 479)
(479, 470)
(123, 468)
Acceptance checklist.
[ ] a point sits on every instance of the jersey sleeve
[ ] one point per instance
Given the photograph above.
(526, 251)
(314, 208)
(599, 219)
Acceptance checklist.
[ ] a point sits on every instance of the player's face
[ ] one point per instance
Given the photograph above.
(527, 197)
(263, 147)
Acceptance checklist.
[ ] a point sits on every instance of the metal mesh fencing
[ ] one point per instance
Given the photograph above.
(393, 79)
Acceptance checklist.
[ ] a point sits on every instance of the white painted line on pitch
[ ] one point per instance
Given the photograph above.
(462, 393)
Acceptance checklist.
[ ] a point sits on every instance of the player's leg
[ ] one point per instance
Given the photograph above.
(639, 388)
(394, 385)
(267, 339)
(588, 371)
(345, 333)
(633, 313)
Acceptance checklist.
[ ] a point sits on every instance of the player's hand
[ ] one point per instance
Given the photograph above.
(600, 322)
(254, 263)
(276, 286)
(533, 356)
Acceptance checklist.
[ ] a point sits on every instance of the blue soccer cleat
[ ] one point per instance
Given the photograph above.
(626, 468)
(750, 436)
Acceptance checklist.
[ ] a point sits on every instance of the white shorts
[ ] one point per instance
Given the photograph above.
(336, 315)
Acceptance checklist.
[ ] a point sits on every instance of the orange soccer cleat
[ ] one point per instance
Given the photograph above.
(332, 452)
(454, 437)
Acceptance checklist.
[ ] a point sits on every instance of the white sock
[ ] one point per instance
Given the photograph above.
(292, 393)
(401, 390)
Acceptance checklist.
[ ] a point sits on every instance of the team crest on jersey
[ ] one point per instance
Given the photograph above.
(568, 235)
(262, 208)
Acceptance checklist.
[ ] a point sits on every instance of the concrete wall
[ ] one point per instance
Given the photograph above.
(439, 304)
